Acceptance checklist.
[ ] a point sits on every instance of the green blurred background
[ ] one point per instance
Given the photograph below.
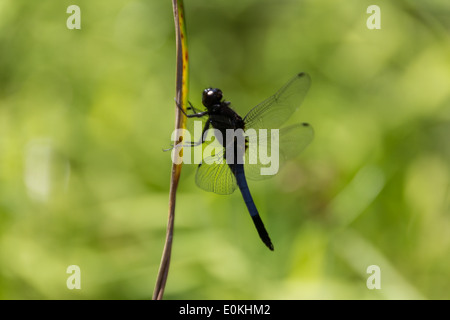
(84, 115)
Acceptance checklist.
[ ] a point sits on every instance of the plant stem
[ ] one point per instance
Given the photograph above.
(181, 100)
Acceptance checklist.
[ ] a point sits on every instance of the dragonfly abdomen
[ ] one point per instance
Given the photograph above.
(238, 170)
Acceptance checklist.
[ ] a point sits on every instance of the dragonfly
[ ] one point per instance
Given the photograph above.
(222, 174)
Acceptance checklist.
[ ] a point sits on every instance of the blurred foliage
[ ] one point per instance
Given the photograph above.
(84, 115)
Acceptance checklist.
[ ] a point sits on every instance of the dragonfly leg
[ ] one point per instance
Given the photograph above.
(195, 115)
(191, 107)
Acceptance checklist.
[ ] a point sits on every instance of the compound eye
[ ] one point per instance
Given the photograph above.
(211, 96)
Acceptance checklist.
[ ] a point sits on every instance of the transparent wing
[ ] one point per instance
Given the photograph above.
(289, 143)
(214, 175)
(275, 110)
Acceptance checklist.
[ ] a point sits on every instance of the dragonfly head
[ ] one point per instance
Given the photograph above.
(211, 97)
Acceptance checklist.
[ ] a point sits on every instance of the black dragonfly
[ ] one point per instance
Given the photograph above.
(220, 174)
